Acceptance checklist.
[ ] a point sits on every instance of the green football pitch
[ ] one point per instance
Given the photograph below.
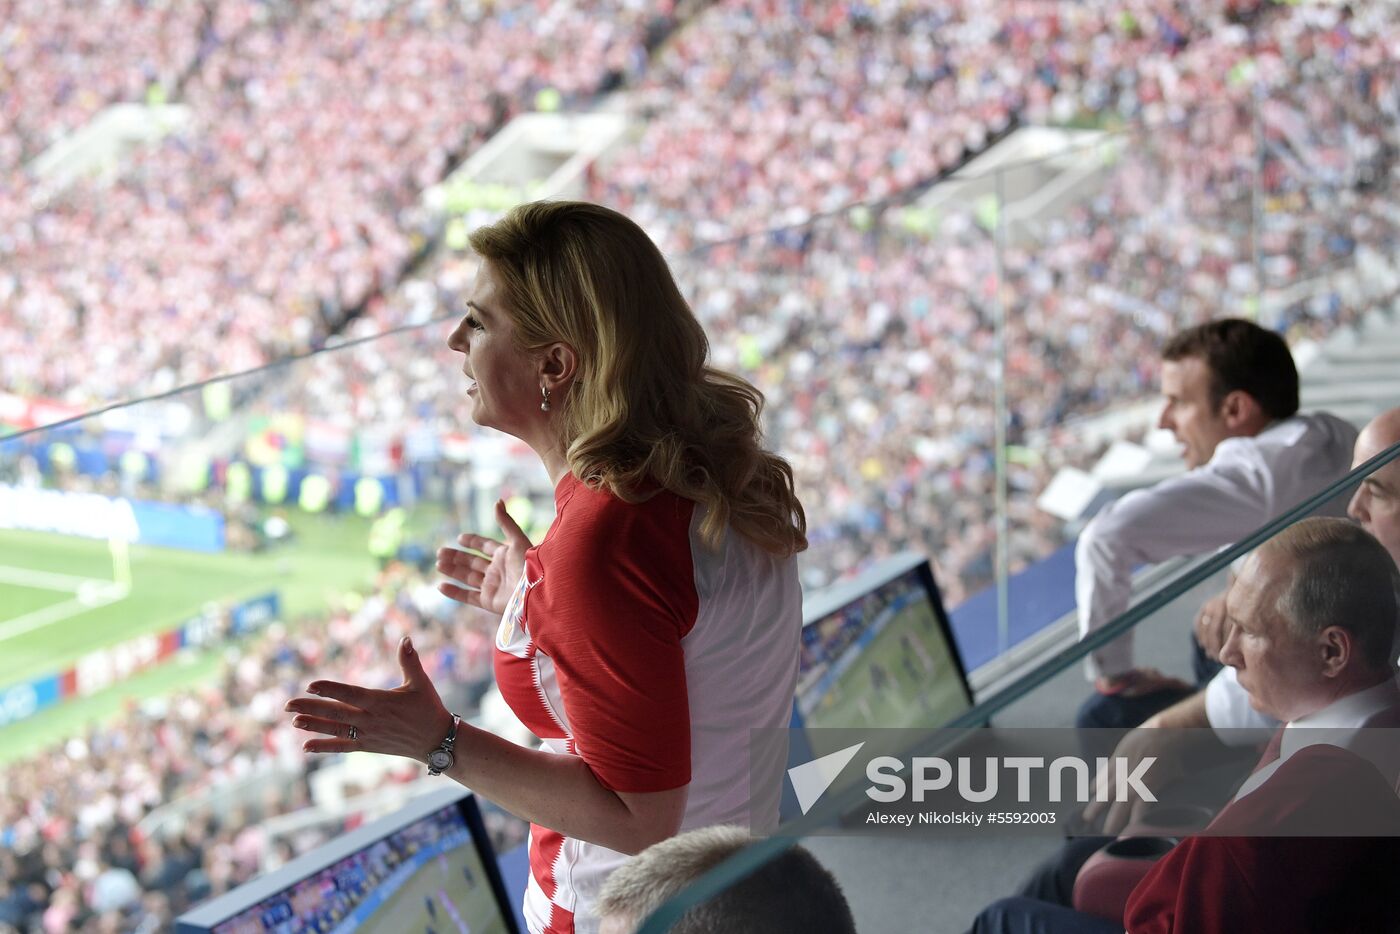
(62, 597)
(439, 899)
(904, 679)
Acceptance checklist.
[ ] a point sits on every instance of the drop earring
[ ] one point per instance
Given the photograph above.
(544, 399)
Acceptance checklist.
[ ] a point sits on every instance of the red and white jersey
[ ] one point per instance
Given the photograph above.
(632, 645)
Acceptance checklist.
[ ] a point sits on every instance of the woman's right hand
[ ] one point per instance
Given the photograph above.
(491, 569)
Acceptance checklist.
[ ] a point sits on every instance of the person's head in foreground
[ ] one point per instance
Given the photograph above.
(1225, 379)
(578, 342)
(1376, 503)
(1313, 617)
(790, 894)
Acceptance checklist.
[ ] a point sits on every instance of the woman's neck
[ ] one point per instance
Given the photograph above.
(556, 463)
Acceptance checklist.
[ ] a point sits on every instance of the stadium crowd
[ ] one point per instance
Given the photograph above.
(823, 105)
(294, 199)
(74, 851)
(289, 197)
(869, 329)
(866, 332)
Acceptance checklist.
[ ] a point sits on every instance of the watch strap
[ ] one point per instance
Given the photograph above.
(447, 745)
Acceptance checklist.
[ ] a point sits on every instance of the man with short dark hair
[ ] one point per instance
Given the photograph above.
(1231, 355)
(1231, 399)
(790, 894)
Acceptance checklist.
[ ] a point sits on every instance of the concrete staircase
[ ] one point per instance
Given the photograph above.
(1355, 373)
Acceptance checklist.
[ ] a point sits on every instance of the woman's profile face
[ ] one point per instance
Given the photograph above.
(502, 382)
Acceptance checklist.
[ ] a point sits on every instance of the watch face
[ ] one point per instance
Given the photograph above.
(440, 759)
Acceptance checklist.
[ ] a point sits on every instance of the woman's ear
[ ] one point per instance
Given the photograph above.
(558, 366)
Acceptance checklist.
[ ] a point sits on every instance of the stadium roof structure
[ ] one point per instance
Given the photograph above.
(99, 146)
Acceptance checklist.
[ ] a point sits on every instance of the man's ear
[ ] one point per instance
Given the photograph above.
(558, 365)
(1335, 647)
(1242, 413)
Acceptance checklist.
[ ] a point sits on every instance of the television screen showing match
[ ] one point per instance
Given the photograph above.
(433, 872)
(878, 652)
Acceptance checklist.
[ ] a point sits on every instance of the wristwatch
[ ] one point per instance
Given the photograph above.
(442, 758)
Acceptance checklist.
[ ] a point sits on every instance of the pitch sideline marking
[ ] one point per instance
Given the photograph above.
(42, 580)
(96, 596)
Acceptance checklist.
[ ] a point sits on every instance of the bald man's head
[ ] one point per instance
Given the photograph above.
(1376, 504)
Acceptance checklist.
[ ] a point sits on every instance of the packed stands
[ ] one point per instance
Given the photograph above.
(294, 200)
(293, 195)
(870, 334)
(1167, 241)
(765, 114)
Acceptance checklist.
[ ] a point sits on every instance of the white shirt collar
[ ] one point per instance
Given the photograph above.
(1349, 713)
(1339, 720)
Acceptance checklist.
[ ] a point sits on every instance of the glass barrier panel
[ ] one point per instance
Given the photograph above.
(1112, 241)
(909, 858)
(176, 568)
(172, 572)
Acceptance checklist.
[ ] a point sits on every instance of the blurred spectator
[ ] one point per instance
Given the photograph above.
(790, 894)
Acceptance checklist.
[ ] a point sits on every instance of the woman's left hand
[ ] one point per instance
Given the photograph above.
(408, 720)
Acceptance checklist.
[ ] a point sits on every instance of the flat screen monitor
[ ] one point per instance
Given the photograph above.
(426, 869)
(878, 651)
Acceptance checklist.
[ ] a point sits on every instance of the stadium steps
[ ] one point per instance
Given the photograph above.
(1355, 373)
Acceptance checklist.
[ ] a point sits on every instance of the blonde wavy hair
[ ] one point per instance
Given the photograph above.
(645, 408)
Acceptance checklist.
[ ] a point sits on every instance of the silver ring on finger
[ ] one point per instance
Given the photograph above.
(354, 733)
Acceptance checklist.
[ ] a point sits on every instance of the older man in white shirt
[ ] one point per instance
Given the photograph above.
(1224, 705)
(1314, 615)
(1231, 391)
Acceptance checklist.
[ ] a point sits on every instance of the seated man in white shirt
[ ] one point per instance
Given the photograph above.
(1231, 391)
(1314, 617)
(1223, 704)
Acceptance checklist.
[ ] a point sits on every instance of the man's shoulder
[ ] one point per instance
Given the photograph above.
(1320, 790)
(1303, 433)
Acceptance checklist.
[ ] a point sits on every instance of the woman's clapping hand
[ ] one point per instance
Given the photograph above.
(409, 720)
(490, 569)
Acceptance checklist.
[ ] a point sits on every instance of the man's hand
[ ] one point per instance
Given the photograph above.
(1138, 682)
(1143, 742)
(1212, 625)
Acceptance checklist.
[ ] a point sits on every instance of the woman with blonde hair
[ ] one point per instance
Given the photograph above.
(658, 621)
